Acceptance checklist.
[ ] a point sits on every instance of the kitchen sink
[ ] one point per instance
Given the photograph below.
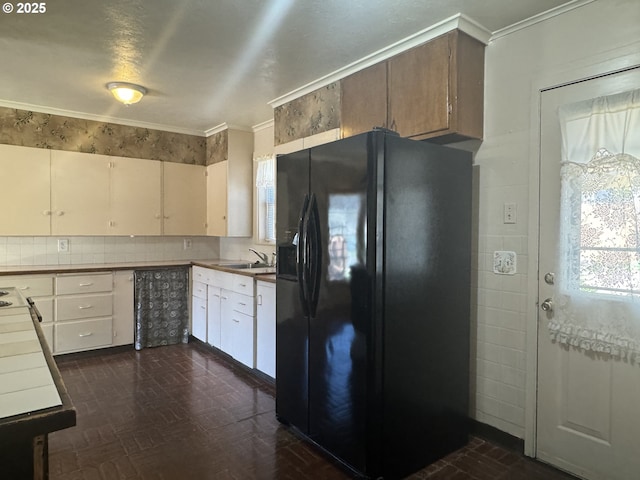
(244, 266)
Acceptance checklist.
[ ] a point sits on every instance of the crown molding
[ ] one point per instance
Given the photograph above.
(225, 126)
(263, 126)
(99, 118)
(458, 21)
(541, 17)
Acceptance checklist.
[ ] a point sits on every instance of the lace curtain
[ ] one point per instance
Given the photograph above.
(597, 306)
(265, 171)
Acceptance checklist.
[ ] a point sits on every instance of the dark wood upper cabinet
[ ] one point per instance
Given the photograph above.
(434, 91)
(364, 100)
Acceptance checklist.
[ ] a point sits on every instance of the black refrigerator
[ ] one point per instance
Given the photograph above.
(373, 285)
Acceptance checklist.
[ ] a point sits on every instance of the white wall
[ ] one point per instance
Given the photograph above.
(562, 48)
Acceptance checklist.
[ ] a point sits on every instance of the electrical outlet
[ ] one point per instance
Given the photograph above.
(186, 244)
(63, 245)
(509, 213)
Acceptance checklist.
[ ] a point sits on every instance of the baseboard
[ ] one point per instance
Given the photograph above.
(497, 436)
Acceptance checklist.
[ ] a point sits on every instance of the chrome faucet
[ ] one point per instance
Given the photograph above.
(264, 258)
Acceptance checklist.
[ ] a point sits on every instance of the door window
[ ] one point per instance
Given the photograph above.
(599, 280)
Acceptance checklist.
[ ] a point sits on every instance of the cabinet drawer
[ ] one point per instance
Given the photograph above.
(222, 279)
(83, 335)
(201, 274)
(241, 303)
(85, 306)
(242, 284)
(69, 285)
(199, 290)
(29, 286)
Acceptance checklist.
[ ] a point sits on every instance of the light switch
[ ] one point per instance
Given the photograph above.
(510, 215)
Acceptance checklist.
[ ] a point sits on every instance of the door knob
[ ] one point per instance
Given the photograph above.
(547, 305)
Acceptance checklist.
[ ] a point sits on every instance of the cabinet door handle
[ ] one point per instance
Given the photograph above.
(224, 298)
(23, 288)
(260, 299)
(84, 307)
(203, 307)
(85, 284)
(243, 304)
(243, 284)
(215, 295)
(237, 321)
(82, 335)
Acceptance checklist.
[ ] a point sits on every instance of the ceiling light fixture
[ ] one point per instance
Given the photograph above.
(126, 93)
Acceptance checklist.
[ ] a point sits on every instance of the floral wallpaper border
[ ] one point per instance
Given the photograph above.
(41, 130)
(315, 112)
(217, 147)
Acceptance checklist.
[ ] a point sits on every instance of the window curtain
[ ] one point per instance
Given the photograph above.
(266, 182)
(161, 307)
(597, 307)
(265, 174)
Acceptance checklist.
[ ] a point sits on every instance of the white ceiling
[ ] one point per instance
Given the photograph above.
(206, 62)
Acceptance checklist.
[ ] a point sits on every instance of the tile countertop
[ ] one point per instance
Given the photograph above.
(260, 273)
(263, 273)
(90, 267)
(33, 398)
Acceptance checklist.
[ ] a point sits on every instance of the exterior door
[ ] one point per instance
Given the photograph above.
(587, 418)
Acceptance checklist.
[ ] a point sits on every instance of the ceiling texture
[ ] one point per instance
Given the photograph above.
(207, 62)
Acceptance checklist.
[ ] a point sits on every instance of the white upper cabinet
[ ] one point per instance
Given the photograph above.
(230, 188)
(79, 193)
(135, 197)
(184, 199)
(217, 199)
(25, 190)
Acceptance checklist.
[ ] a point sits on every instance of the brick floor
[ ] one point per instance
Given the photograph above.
(185, 412)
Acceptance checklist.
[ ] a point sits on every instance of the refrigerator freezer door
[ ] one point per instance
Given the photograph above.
(340, 327)
(292, 323)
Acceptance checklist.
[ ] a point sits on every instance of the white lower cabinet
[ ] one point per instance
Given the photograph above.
(230, 312)
(85, 334)
(213, 316)
(238, 327)
(123, 308)
(242, 338)
(199, 311)
(266, 327)
(40, 289)
(226, 313)
(83, 312)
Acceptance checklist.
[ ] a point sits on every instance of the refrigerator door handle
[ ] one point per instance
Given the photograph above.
(301, 255)
(315, 254)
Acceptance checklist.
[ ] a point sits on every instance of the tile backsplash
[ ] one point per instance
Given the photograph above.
(88, 250)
